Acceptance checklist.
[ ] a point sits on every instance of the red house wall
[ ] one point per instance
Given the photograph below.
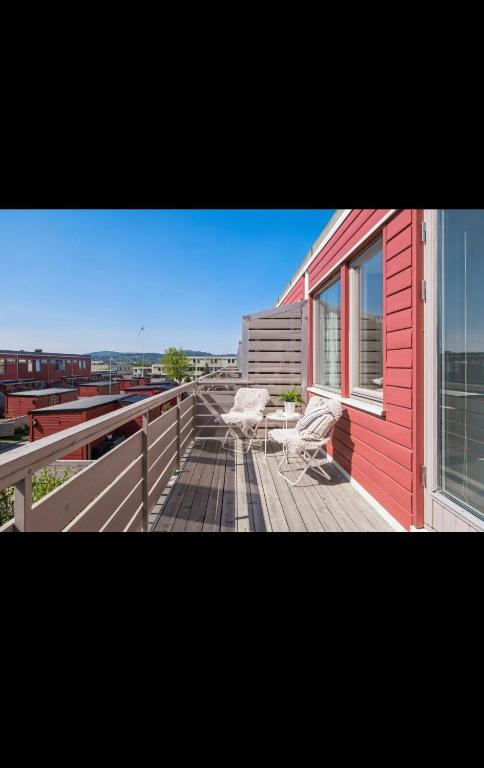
(383, 454)
(20, 406)
(126, 383)
(94, 391)
(296, 293)
(51, 423)
(47, 372)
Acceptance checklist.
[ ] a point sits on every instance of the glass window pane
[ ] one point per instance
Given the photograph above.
(329, 357)
(461, 357)
(369, 372)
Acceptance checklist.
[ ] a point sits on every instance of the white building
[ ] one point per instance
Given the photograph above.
(200, 366)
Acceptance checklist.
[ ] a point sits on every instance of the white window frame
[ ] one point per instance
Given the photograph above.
(2, 365)
(316, 329)
(356, 391)
(436, 502)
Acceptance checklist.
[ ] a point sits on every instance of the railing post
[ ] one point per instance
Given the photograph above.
(22, 502)
(144, 470)
(178, 456)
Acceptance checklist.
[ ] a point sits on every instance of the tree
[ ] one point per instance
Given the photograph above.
(176, 363)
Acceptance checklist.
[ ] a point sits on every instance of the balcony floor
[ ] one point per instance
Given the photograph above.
(218, 490)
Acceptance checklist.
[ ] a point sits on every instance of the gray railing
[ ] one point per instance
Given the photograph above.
(117, 491)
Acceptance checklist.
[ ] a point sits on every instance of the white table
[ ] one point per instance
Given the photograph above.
(278, 416)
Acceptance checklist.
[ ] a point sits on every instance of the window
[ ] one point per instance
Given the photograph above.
(37, 366)
(30, 365)
(44, 362)
(2, 366)
(366, 323)
(11, 360)
(22, 360)
(60, 365)
(327, 317)
(460, 401)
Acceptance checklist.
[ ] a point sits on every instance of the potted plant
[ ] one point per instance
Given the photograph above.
(290, 399)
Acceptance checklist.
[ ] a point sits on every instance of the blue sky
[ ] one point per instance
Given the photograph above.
(81, 281)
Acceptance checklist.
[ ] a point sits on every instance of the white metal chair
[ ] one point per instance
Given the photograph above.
(246, 414)
(304, 441)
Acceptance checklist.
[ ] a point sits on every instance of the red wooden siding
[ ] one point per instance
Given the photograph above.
(51, 423)
(91, 391)
(20, 406)
(296, 293)
(48, 372)
(383, 454)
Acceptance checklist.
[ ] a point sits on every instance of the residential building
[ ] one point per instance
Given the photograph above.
(120, 369)
(131, 381)
(141, 371)
(95, 388)
(47, 367)
(201, 365)
(21, 403)
(395, 331)
(56, 418)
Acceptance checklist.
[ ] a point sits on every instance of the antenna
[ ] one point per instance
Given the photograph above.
(142, 350)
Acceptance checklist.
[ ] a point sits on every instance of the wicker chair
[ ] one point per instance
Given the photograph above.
(304, 441)
(246, 414)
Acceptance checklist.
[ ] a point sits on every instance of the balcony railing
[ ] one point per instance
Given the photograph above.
(117, 491)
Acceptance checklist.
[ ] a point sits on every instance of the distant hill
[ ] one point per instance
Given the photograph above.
(149, 357)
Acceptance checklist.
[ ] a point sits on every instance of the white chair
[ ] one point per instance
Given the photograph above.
(304, 441)
(246, 414)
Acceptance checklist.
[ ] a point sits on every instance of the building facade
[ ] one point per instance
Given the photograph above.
(200, 365)
(21, 403)
(42, 366)
(395, 332)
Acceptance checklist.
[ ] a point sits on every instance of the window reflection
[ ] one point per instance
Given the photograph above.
(329, 353)
(461, 357)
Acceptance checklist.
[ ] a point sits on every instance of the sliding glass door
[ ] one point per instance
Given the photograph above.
(460, 358)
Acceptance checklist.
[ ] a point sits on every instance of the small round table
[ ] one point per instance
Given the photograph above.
(279, 416)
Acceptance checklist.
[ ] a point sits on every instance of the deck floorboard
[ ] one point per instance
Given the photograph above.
(220, 490)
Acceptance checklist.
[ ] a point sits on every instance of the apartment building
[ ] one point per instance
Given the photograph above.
(43, 366)
(201, 365)
(394, 330)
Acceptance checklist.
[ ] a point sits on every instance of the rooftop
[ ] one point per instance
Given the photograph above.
(97, 383)
(129, 399)
(82, 404)
(41, 392)
(162, 387)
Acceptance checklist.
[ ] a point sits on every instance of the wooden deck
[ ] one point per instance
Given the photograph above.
(218, 490)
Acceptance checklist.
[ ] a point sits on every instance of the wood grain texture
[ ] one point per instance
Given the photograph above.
(219, 491)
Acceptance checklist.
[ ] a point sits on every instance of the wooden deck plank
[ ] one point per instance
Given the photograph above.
(320, 508)
(198, 509)
(243, 511)
(262, 521)
(227, 521)
(219, 490)
(339, 511)
(274, 506)
(213, 513)
(356, 505)
(172, 505)
(315, 513)
(190, 495)
(287, 499)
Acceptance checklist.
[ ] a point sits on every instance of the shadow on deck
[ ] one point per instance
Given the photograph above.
(218, 490)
